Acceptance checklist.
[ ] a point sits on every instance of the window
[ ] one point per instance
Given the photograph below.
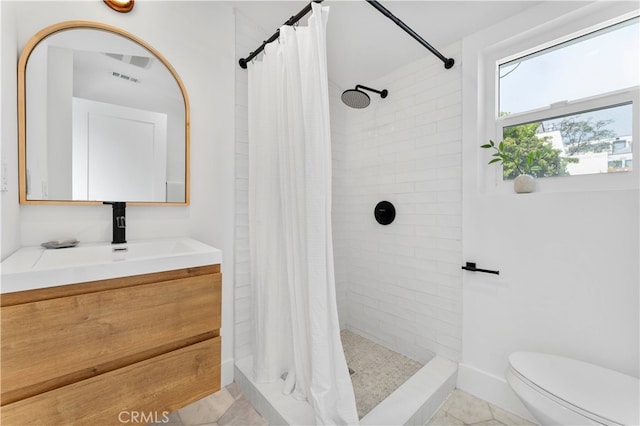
(586, 142)
(574, 103)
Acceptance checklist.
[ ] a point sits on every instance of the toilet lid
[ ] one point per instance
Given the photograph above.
(592, 389)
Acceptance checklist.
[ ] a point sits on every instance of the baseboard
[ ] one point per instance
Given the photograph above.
(226, 372)
(491, 388)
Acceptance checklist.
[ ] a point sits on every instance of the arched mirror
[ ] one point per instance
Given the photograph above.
(102, 117)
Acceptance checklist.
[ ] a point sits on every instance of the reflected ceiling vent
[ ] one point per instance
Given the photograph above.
(125, 77)
(138, 61)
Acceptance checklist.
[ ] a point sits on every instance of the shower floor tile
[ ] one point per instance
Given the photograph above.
(378, 371)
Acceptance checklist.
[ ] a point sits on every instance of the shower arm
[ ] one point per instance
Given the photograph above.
(448, 62)
(382, 93)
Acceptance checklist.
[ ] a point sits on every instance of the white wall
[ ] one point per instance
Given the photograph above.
(567, 254)
(10, 230)
(403, 280)
(197, 38)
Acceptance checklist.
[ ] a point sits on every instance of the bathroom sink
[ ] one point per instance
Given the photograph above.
(36, 267)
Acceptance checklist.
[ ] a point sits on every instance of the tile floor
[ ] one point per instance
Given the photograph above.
(462, 408)
(230, 407)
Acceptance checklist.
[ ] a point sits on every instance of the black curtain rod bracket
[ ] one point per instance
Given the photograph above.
(448, 62)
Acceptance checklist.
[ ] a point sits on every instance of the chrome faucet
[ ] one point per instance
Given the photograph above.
(119, 221)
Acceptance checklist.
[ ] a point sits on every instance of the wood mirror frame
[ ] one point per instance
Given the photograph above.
(22, 111)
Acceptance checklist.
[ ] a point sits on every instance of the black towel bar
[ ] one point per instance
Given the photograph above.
(471, 266)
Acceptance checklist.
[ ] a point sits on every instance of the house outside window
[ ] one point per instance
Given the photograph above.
(574, 102)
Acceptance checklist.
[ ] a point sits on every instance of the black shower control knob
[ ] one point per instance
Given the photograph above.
(384, 212)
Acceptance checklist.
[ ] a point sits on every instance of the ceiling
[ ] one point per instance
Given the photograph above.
(363, 44)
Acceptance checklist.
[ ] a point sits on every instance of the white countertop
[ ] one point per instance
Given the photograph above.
(36, 267)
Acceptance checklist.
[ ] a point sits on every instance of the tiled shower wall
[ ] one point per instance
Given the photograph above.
(399, 285)
(339, 212)
(403, 280)
(248, 37)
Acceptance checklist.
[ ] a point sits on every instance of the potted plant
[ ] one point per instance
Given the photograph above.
(524, 182)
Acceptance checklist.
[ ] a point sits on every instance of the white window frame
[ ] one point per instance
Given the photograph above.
(540, 38)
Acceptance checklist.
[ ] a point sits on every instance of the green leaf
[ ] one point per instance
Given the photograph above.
(487, 145)
(530, 159)
(501, 146)
(495, 160)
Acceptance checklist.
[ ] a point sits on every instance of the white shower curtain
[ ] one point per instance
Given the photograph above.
(296, 329)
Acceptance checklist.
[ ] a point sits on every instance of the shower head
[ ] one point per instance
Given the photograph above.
(356, 98)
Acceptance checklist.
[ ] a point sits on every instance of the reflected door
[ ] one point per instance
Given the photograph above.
(119, 153)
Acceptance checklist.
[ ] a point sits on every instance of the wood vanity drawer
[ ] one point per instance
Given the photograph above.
(54, 342)
(145, 391)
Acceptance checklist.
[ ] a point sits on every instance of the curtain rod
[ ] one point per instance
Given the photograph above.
(448, 62)
(274, 37)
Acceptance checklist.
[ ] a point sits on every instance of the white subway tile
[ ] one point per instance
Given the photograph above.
(447, 124)
(451, 147)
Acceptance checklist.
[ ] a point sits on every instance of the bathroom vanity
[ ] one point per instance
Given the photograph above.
(90, 335)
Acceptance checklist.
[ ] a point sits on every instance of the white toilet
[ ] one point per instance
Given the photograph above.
(563, 391)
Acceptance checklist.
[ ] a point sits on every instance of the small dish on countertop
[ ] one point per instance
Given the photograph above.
(58, 244)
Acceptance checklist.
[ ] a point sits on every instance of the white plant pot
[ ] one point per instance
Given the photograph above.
(524, 184)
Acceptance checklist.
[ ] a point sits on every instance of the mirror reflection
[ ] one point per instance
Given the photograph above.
(105, 118)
